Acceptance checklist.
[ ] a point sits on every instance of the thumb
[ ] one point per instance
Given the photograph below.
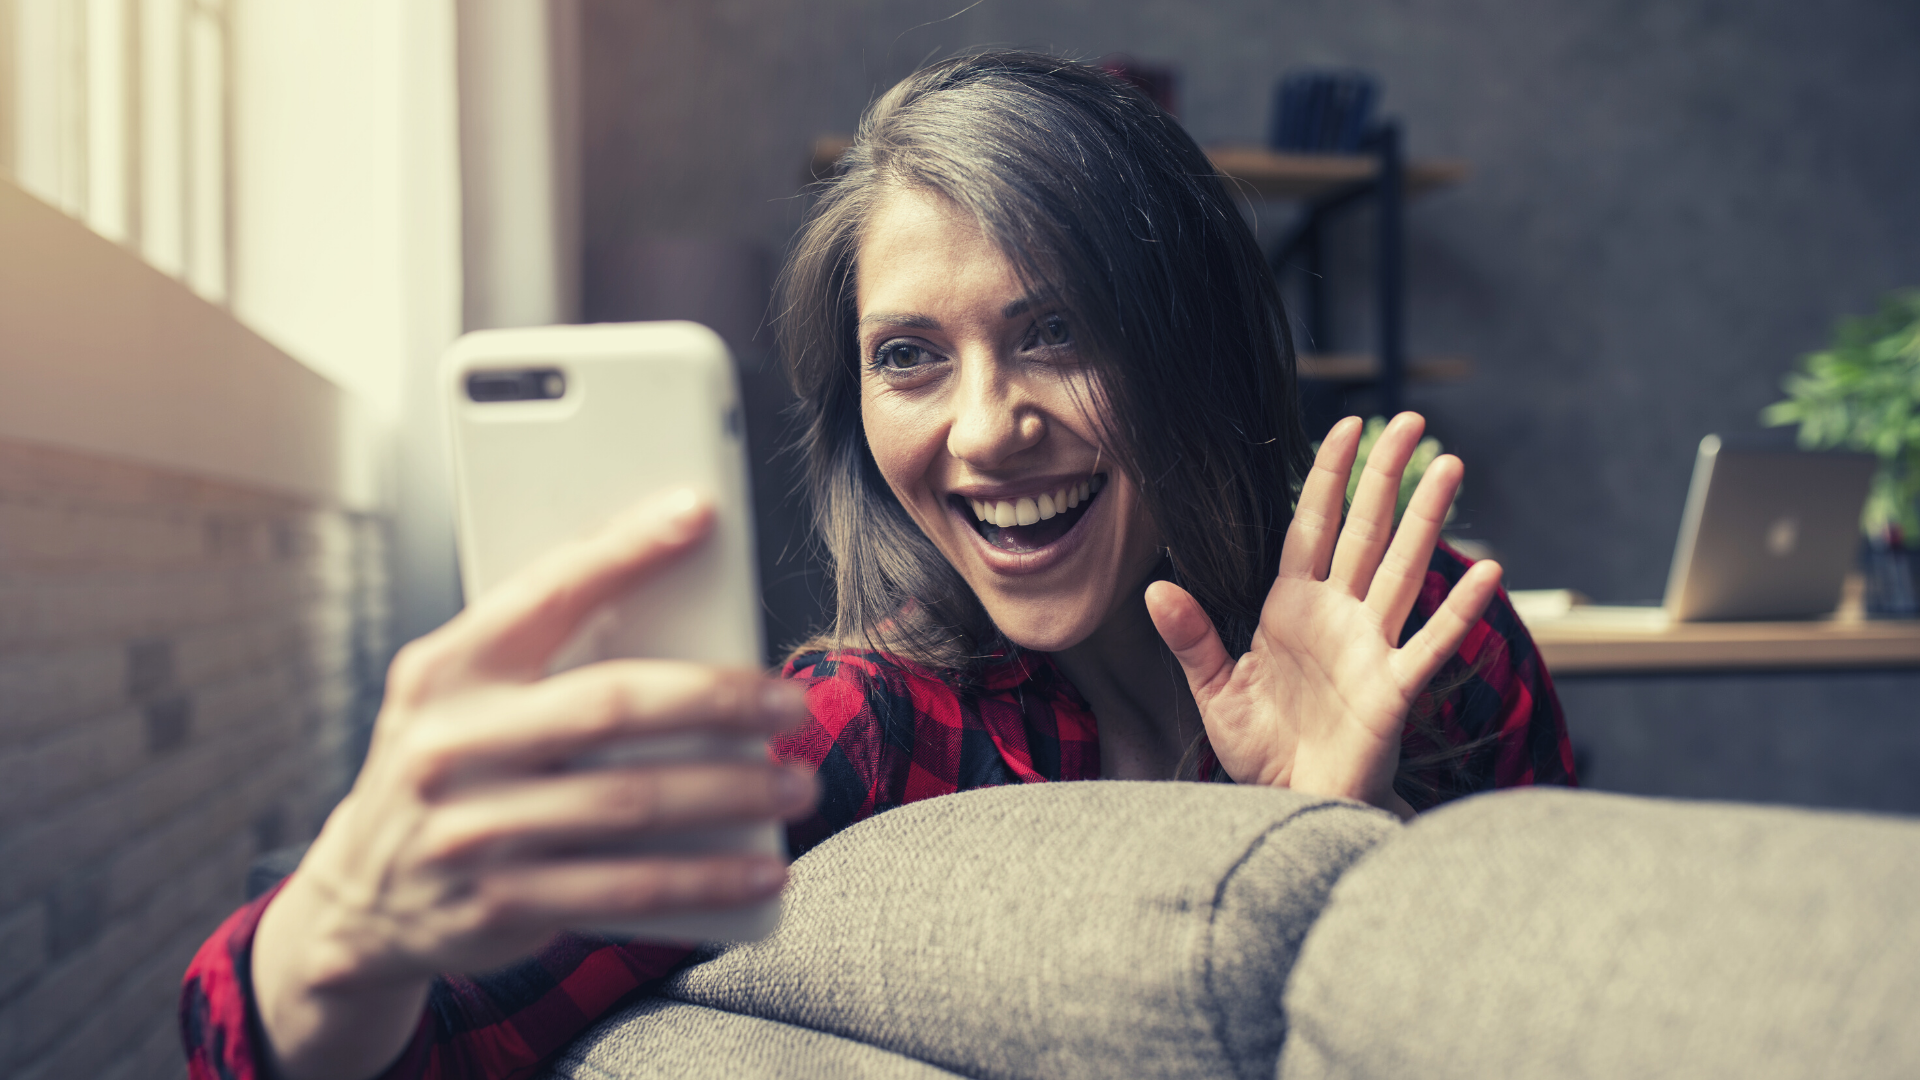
(1184, 626)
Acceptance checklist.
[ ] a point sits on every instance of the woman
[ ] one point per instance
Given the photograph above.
(1050, 424)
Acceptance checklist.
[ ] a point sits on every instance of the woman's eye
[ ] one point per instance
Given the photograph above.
(1053, 331)
(899, 356)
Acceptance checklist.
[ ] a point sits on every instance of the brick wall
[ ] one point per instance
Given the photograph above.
(188, 670)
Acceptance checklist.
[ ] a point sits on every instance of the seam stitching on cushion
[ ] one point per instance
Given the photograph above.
(1216, 1017)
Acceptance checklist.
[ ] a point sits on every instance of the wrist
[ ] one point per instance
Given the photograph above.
(1374, 791)
(326, 1007)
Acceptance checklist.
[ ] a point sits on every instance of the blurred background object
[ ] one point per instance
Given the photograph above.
(1322, 112)
(1863, 393)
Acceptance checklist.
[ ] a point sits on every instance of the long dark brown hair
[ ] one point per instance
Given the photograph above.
(1103, 203)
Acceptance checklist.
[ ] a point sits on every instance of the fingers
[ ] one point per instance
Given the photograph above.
(1308, 551)
(585, 892)
(1415, 663)
(513, 729)
(1369, 522)
(557, 812)
(1184, 626)
(514, 629)
(1403, 572)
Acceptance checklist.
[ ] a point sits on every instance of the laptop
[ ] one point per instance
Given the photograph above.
(1767, 534)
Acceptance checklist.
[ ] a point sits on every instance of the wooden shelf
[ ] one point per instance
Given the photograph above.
(1603, 641)
(1273, 175)
(1364, 367)
(1256, 171)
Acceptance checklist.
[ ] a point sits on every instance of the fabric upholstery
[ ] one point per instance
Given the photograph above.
(1094, 929)
(1573, 934)
(670, 1040)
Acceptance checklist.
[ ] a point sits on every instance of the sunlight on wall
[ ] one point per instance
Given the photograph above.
(120, 116)
(297, 163)
(346, 209)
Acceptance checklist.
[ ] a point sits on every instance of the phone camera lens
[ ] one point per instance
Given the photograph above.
(493, 386)
(528, 385)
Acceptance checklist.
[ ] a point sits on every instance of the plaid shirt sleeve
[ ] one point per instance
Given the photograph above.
(502, 1024)
(1492, 719)
(883, 732)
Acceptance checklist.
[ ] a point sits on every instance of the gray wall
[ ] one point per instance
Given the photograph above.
(1670, 201)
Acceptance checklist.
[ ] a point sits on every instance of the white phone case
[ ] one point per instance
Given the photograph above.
(636, 408)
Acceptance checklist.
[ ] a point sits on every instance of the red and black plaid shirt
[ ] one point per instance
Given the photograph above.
(884, 732)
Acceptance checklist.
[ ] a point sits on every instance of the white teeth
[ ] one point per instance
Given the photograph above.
(1026, 511)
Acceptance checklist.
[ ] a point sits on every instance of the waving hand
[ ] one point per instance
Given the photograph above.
(1319, 700)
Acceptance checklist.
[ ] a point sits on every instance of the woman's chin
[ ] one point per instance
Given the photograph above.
(1045, 631)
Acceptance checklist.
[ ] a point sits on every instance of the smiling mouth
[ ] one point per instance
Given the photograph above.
(1030, 523)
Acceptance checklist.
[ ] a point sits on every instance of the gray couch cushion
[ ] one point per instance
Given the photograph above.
(1570, 934)
(1053, 930)
(671, 1040)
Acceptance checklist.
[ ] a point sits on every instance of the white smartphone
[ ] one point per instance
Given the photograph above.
(556, 430)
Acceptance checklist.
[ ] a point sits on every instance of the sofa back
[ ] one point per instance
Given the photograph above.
(1544, 932)
(1051, 930)
(1114, 929)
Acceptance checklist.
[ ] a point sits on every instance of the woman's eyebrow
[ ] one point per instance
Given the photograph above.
(911, 319)
(917, 321)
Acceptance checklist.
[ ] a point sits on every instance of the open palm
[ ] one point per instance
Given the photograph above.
(1320, 698)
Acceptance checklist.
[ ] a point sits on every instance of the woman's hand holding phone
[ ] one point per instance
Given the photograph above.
(1319, 700)
(467, 839)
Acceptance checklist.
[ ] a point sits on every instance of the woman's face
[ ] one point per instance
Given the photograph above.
(979, 412)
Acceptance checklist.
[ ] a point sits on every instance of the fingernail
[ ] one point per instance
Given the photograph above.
(682, 511)
(784, 703)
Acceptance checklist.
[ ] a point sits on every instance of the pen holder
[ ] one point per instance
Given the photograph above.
(1892, 573)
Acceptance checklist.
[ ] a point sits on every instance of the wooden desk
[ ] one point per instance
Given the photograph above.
(1610, 641)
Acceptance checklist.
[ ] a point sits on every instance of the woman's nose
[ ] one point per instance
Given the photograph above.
(993, 420)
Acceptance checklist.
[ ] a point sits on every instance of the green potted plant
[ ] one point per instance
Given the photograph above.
(1863, 393)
